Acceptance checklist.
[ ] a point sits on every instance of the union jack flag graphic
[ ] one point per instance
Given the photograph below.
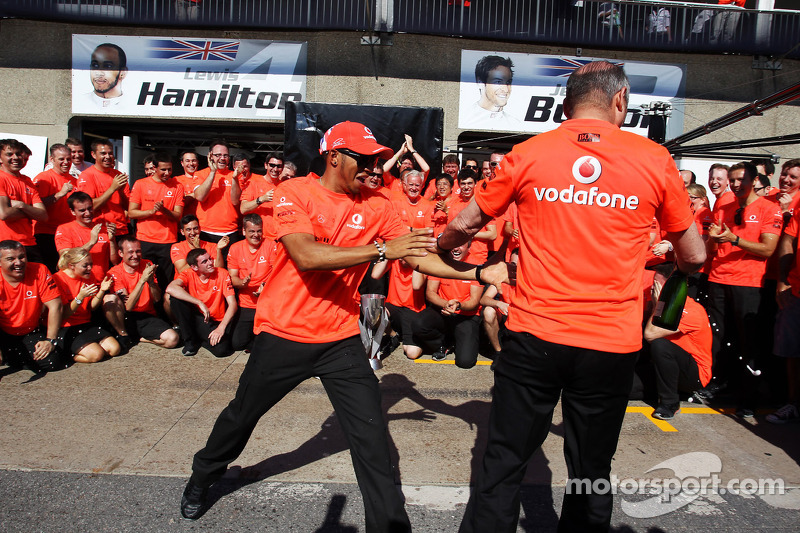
(193, 49)
(561, 67)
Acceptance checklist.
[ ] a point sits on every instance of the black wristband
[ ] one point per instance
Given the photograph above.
(439, 246)
(478, 270)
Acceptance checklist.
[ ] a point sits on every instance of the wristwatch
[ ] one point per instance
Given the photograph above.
(52, 341)
(258, 201)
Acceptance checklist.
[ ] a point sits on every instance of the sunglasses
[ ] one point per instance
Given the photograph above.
(737, 216)
(758, 189)
(273, 165)
(493, 163)
(362, 160)
(473, 167)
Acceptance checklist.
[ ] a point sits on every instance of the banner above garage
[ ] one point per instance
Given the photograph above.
(186, 77)
(524, 93)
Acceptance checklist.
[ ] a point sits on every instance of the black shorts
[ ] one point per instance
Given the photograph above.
(77, 336)
(143, 325)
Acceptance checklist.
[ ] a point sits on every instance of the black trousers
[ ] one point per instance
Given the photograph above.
(676, 370)
(158, 253)
(195, 330)
(276, 366)
(433, 329)
(402, 320)
(734, 307)
(18, 352)
(243, 331)
(47, 248)
(234, 236)
(529, 378)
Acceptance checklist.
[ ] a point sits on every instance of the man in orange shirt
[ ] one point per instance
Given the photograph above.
(718, 184)
(257, 194)
(574, 322)
(479, 250)
(289, 171)
(26, 289)
(107, 186)
(190, 229)
(415, 211)
(54, 185)
(157, 203)
(742, 239)
(135, 283)
(204, 304)
(189, 180)
(20, 203)
(329, 229)
(249, 264)
(218, 197)
(84, 231)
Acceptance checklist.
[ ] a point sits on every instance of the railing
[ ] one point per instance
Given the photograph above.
(692, 27)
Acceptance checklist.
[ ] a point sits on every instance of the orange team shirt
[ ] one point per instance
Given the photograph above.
(158, 228)
(217, 213)
(181, 249)
(189, 183)
(512, 216)
(21, 306)
(47, 184)
(256, 263)
(508, 293)
(772, 262)
(439, 217)
(69, 289)
(793, 230)
(733, 266)
(694, 336)
(321, 306)
(73, 235)
(124, 280)
(726, 198)
(259, 186)
(95, 182)
(211, 292)
(574, 289)
(417, 216)
(479, 250)
(22, 189)
(458, 289)
(703, 219)
(401, 292)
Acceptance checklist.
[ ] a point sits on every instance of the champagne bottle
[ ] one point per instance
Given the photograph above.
(669, 307)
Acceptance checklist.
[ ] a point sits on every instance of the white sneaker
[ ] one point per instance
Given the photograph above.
(787, 413)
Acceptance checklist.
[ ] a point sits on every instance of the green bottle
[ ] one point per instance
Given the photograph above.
(669, 307)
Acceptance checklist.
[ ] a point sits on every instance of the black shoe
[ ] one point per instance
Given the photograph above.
(193, 501)
(440, 354)
(667, 412)
(744, 412)
(391, 346)
(190, 350)
(126, 342)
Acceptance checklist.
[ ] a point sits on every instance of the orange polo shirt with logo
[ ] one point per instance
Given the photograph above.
(255, 263)
(258, 186)
(190, 183)
(586, 195)
(95, 182)
(457, 289)
(21, 306)
(212, 292)
(401, 292)
(128, 280)
(158, 228)
(73, 235)
(180, 250)
(69, 288)
(321, 306)
(417, 216)
(216, 213)
(730, 264)
(694, 336)
(18, 188)
(47, 184)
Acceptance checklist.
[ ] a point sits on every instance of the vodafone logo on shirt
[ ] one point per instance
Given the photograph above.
(586, 170)
(29, 295)
(356, 221)
(283, 203)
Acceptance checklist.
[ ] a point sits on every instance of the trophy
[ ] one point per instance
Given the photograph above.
(372, 324)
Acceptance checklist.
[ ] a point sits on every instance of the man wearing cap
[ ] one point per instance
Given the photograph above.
(329, 228)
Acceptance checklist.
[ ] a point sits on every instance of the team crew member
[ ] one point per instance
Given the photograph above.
(744, 236)
(157, 204)
(81, 294)
(249, 265)
(329, 228)
(189, 180)
(204, 303)
(718, 184)
(190, 229)
(136, 285)
(257, 196)
(479, 250)
(681, 359)
(415, 211)
(53, 186)
(444, 187)
(78, 164)
(26, 289)
(218, 197)
(289, 171)
(20, 203)
(453, 313)
(107, 186)
(574, 331)
(404, 159)
(97, 238)
(494, 312)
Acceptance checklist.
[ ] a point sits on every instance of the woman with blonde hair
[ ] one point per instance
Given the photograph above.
(83, 293)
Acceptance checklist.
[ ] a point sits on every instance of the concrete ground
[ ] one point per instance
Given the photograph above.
(109, 447)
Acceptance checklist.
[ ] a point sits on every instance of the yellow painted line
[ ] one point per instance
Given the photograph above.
(648, 412)
(446, 362)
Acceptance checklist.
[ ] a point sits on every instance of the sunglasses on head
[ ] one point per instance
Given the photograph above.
(362, 160)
